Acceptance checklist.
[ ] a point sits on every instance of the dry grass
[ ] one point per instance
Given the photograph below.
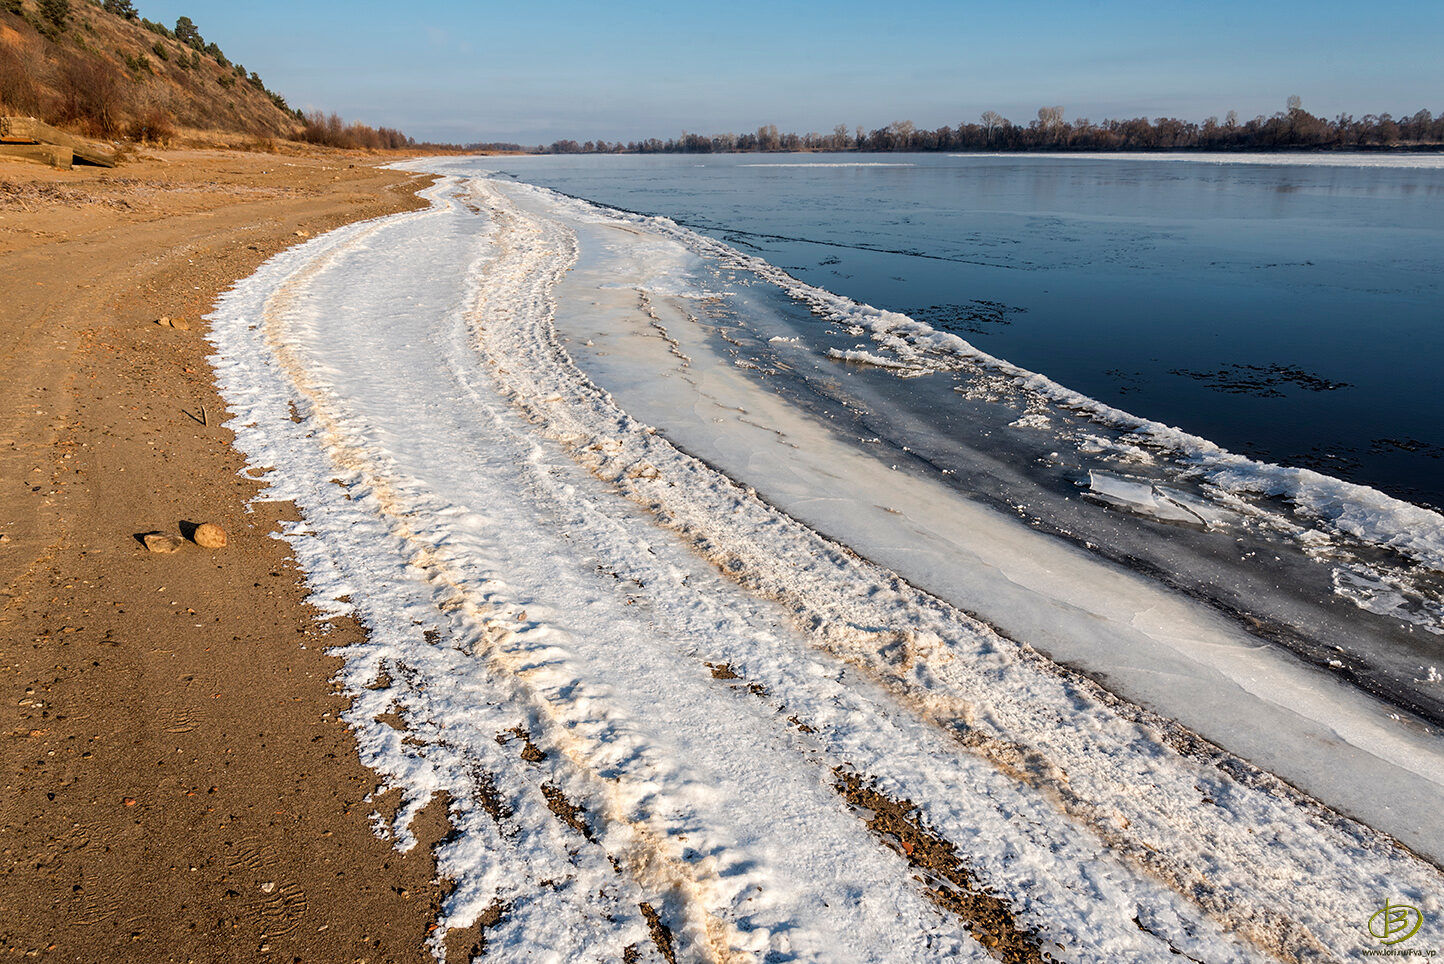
(31, 195)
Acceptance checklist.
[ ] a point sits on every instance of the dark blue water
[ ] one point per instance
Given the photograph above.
(1292, 313)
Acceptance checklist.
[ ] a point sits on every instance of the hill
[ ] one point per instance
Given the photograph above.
(101, 70)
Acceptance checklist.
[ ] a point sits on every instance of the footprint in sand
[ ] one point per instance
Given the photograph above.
(281, 904)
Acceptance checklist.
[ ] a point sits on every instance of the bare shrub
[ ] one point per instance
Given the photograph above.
(152, 126)
(332, 131)
(92, 96)
(21, 70)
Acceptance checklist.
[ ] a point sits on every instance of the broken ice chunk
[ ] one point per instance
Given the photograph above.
(1143, 498)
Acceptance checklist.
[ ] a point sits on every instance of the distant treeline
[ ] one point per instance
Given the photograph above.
(1290, 129)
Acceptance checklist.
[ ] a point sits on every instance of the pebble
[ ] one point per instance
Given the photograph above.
(159, 542)
(210, 536)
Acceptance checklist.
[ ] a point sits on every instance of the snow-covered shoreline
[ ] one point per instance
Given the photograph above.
(526, 554)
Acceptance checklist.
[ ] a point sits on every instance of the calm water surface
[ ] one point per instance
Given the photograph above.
(1288, 312)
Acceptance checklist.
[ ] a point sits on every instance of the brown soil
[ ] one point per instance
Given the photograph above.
(661, 933)
(952, 886)
(176, 784)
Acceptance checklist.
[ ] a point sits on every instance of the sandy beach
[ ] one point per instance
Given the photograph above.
(177, 785)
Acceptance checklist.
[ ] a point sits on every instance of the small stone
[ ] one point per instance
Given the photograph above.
(4, 539)
(130, 801)
(268, 886)
(163, 321)
(160, 542)
(210, 536)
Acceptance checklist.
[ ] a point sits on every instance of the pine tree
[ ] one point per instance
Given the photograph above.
(186, 32)
(55, 11)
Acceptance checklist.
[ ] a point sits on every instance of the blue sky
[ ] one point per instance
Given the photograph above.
(534, 71)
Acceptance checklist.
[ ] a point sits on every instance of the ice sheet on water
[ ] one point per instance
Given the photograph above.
(1387, 592)
(1341, 159)
(1354, 519)
(832, 164)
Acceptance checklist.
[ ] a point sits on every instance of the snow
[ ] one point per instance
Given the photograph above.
(525, 553)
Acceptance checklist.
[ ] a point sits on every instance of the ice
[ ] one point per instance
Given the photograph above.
(1142, 497)
(1188, 664)
(860, 357)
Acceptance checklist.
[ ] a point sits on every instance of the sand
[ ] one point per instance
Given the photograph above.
(176, 784)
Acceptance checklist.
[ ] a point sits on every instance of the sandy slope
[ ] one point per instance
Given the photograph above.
(175, 782)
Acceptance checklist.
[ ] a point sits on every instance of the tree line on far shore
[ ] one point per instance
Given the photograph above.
(1290, 129)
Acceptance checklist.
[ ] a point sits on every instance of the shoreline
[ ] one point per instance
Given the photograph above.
(179, 784)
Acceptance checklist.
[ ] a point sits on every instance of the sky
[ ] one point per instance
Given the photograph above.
(536, 71)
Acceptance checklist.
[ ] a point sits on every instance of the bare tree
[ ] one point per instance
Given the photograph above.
(900, 134)
(992, 120)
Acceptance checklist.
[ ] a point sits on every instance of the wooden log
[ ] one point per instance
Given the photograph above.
(53, 154)
(29, 130)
